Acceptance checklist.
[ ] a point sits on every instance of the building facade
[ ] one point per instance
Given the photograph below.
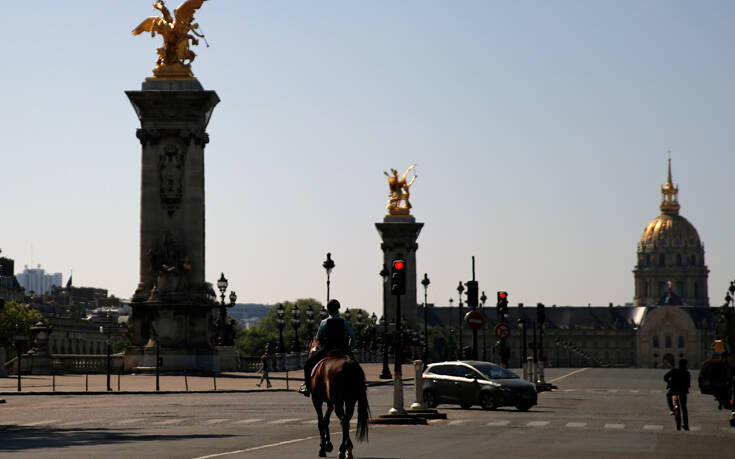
(36, 280)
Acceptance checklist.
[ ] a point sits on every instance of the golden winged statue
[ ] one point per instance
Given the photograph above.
(399, 191)
(174, 57)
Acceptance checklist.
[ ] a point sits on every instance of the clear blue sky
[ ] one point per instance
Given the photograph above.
(539, 130)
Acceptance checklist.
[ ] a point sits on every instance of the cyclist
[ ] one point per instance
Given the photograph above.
(678, 381)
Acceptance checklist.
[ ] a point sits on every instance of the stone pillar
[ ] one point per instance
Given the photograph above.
(399, 234)
(172, 306)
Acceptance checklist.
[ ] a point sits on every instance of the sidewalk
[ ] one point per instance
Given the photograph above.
(225, 382)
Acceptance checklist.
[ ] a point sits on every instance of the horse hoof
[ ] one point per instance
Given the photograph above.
(322, 453)
(328, 447)
(349, 455)
(341, 455)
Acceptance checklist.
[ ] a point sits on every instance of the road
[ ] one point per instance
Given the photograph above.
(595, 412)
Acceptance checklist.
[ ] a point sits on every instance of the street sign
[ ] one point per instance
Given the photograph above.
(474, 320)
(502, 331)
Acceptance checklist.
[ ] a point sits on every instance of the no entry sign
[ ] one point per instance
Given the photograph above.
(474, 320)
(502, 331)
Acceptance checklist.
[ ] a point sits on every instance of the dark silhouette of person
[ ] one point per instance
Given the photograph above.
(678, 381)
(333, 335)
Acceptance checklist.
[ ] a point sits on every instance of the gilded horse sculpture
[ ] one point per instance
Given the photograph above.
(399, 191)
(174, 57)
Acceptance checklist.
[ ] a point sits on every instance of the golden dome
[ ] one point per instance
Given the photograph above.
(670, 231)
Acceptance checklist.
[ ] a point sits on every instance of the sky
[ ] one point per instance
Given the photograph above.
(539, 130)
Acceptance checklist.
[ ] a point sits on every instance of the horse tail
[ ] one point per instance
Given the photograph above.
(355, 377)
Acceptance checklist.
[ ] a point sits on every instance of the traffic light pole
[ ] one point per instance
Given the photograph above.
(397, 372)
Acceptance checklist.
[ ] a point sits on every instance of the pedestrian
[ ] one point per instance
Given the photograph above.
(264, 367)
(678, 381)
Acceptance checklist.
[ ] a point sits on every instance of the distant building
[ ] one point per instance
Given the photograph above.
(10, 289)
(36, 280)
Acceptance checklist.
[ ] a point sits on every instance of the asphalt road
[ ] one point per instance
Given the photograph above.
(595, 413)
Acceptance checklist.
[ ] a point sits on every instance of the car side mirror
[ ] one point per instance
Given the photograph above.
(470, 376)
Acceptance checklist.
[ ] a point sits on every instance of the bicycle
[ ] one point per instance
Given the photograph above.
(677, 411)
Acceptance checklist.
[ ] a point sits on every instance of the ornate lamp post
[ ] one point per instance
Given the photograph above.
(374, 321)
(222, 286)
(323, 313)
(360, 331)
(328, 266)
(483, 298)
(460, 289)
(309, 324)
(295, 322)
(385, 373)
(425, 282)
(280, 311)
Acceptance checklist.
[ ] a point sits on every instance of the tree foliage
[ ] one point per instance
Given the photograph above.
(252, 341)
(16, 319)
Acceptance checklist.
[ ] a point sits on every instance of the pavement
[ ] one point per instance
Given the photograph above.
(144, 383)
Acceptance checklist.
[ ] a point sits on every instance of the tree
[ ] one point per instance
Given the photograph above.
(16, 319)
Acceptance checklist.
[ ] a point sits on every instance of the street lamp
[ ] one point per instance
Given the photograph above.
(373, 336)
(310, 324)
(295, 322)
(222, 286)
(280, 322)
(460, 289)
(323, 313)
(107, 330)
(483, 298)
(328, 266)
(361, 329)
(385, 373)
(425, 282)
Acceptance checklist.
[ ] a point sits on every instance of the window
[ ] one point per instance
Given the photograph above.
(661, 260)
(694, 260)
(445, 370)
(678, 259)
(681, 341)
(655, 341)
(667, 341)
(696, 289)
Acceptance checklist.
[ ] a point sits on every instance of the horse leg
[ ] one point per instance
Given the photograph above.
(349, 411)
(328, 443)
(320, 424)
(344, 420)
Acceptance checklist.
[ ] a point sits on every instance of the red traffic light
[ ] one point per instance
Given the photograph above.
(502, 295)
(398, 265)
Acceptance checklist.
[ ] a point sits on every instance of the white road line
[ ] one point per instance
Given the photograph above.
(615, 426)
(313, 421)
(168, 422)
(612, 390)
(129, 421)
(655, 391)
(247, 421)
(695, 428)
(456, 422)
(634, 391)
(576, 424)
(40, 423)
(77, 423)
(255, 448)
(653, 427)
(537, 424)
(284, 421)
(569, 390)
(498, 423)
(216, 421)
(567, 375)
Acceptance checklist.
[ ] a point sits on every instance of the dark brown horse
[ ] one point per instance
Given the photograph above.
(339, 382)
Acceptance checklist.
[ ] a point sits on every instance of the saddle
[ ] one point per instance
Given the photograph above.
(335, 353)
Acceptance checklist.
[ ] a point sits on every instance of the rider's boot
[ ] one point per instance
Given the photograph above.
(305, 390)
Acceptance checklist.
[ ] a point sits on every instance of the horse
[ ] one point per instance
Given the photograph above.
(338, 381)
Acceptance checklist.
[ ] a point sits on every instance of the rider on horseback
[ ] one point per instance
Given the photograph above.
(332, 335)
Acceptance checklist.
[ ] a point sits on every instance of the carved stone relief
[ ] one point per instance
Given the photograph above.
(171, 176)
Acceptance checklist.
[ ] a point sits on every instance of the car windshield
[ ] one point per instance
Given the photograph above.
(495, 371)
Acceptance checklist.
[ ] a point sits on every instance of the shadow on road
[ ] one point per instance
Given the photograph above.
(29, 438)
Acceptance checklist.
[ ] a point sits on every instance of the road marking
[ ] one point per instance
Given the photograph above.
(576, 424)
(313, 421)
(615, 426)
(612, 390)
(129, 421)
(537, 424)
(247, 421)
(77, 423)
(39, 423)
(284, 421)
(498, 423)
(168, 422)
(634, 391)
(695, 428)
(216, 421)
(653, 427)
(456, 422)
(567, 375)
(655, 391)
(569, 390)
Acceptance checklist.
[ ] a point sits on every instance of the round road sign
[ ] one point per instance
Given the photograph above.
(502, 331)
(474, 320)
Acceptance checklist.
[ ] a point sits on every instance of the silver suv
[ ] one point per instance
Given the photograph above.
(470, 382)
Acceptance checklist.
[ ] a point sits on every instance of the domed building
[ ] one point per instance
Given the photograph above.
(670, 268)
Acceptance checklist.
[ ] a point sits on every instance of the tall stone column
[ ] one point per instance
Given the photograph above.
(172, 306)
(399, 234)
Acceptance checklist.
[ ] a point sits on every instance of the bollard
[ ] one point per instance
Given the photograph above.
(86, 382)
(53, 381)
(418, 367)
(186, 382)
(214, 375)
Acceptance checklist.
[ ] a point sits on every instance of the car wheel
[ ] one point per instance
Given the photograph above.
(487, 401)
(430, 399)
(523, 406)
(465, 405)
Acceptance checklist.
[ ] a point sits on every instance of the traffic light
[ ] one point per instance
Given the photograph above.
(540, 314)
(398, 277)
(503, 303)
(472, 299)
